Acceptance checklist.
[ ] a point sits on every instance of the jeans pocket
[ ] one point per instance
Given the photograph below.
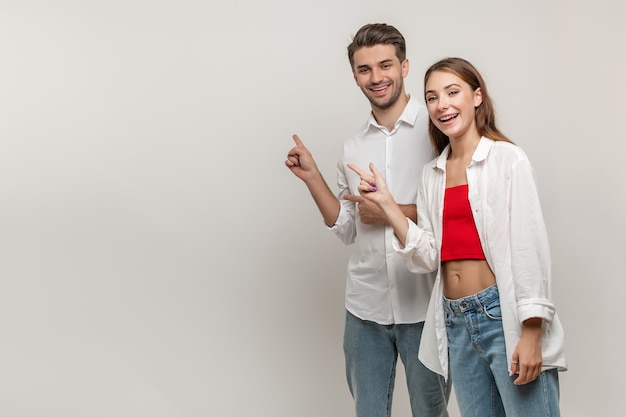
(492, 309)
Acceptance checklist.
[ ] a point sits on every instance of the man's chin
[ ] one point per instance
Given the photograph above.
(381, 105)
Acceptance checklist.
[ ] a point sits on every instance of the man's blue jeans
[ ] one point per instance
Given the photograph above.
(371, 351)
(479, 368)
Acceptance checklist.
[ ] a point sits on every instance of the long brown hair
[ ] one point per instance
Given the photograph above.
(485, 116)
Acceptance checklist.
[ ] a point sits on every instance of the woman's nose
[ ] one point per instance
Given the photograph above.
(442, 102)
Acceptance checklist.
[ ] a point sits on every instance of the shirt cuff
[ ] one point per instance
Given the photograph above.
(535, 308)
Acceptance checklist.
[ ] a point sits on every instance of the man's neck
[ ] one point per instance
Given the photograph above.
(389, 116)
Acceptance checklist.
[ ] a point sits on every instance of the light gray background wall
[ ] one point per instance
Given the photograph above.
(157, 258)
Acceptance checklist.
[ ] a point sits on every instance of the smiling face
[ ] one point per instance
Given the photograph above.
(452, 105)
(380, 75)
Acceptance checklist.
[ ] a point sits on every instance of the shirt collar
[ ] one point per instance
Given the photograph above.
(408, 116)
(480, 153)
(482, 150)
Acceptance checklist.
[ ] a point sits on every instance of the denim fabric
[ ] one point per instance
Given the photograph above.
(478, 363)
(371, 352)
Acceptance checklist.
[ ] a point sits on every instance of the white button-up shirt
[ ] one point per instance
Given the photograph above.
(505, 205)
(379, 286)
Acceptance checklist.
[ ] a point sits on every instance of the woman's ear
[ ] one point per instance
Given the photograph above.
(478, 97)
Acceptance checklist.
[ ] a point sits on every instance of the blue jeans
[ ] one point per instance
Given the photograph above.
(371, 351)
(479, 368)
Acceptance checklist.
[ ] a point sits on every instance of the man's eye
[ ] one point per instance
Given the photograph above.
(363, 70)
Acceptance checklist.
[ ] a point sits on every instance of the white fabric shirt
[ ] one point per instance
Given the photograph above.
(505, 205)
(379, 286)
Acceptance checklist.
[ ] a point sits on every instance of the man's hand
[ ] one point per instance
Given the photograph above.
(369, 212)
(300, 161)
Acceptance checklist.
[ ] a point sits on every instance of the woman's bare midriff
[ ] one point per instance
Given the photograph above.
(465, 277)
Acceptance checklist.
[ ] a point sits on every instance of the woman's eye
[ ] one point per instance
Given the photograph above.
(431, 99)
(453, 92)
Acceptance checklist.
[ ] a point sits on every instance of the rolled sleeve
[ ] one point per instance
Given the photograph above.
(535, 308)
(345, 227)
(420, 253)
(530, 252)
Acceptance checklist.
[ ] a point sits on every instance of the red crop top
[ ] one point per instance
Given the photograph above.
(459, 236)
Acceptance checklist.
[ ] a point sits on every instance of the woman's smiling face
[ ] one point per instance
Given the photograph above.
(452, 104)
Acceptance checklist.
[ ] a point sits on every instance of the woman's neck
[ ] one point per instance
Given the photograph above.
(463, 147)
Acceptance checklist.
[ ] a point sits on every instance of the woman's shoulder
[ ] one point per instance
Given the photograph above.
(506, 149)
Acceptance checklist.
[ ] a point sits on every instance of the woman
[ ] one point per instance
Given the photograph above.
(480, 224)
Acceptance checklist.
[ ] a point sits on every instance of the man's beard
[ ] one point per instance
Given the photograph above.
(392, 100)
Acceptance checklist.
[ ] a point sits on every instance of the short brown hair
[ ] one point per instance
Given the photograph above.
(375, 34)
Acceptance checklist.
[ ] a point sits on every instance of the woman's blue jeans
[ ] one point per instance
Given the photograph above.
(371, 352)
(478, 364)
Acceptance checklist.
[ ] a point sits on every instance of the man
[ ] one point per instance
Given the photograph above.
(385, 303)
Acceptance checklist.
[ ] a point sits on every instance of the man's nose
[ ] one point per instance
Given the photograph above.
(377, 75)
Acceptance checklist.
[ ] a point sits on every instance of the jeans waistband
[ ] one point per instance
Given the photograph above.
(471, 302)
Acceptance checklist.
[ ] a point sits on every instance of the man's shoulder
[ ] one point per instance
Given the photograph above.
(417, 104)
(360, 132)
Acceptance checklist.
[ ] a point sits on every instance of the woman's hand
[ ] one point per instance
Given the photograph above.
(373, 186)
(527, 359)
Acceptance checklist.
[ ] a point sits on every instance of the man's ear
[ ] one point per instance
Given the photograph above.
(405, 68)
